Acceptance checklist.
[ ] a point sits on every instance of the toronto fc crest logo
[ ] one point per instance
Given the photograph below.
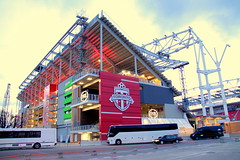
(121, 97)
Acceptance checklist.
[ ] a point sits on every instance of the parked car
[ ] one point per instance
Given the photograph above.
(207, 132)
(168, 139)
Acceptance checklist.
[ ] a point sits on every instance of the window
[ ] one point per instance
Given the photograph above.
(20, 134)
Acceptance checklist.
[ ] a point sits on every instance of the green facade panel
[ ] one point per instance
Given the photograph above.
(68, 93)
(69, 84)
(67, 116)
(68, 100)
(67, 108)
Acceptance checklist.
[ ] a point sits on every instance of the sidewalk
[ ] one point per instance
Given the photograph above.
(61, 144)
(83, 143)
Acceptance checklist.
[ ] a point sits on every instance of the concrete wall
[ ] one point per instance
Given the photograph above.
(232, 127)
(62, 131)
(185, 128)
(172, 111)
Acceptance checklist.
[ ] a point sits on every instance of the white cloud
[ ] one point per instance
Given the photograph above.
(215, 22)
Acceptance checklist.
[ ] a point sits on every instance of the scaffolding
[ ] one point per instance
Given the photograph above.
(159, 51)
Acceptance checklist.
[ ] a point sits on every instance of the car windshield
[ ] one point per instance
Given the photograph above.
(198, 130)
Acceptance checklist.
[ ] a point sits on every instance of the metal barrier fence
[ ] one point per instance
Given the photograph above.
(84, 72)
(91, 97)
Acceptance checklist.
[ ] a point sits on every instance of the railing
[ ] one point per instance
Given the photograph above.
(149, 81)
(52, 95)
(30, 112)
(147, 116)
(141, 79)
(85, 128)
(84, 72)
(39, 106)
(52, 115)
(30, 122)
(53, 101)
(91, 97)
(52, 108)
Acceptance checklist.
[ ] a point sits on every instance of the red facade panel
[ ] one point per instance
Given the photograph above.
(233, 115)
(48, 93)
(120, 101)
(53, 88)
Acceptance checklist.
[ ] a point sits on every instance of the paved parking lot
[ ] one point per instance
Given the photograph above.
(203, 151)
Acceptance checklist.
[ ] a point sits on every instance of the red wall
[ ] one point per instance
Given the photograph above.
(109, 114)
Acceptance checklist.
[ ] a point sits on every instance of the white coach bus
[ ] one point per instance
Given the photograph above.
(123, 134)
(27, 137)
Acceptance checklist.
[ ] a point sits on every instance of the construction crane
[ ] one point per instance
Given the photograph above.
(7, 97)
(5, 115)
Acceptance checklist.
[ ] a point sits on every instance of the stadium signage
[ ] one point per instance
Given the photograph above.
(84, 96)
(121, 97)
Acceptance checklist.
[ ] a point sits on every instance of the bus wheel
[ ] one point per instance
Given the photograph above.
(37, 146)
(118, 142)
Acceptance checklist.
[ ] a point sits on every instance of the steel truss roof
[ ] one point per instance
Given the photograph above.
(158, 51)
(162, 64)
(62, 61)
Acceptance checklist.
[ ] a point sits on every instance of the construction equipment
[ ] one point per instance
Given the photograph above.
(5, 115)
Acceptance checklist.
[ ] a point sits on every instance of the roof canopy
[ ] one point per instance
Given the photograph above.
(64, 59)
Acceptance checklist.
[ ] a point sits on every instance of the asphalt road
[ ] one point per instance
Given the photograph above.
(211, 149)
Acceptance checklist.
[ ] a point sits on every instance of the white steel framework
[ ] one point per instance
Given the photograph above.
(159, 50)
(231, 91)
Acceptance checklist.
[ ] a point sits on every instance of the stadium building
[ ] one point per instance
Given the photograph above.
(94, 77)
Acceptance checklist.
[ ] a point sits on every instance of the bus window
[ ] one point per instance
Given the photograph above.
(35, 137)
(119, 134)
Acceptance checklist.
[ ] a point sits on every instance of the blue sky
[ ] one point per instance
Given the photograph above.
(29, 29)
(222, 13)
